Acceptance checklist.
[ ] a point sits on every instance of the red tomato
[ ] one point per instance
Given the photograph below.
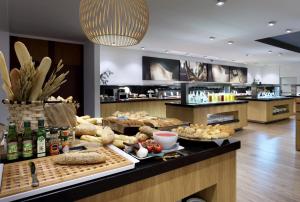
(150, 148)
(157, 148)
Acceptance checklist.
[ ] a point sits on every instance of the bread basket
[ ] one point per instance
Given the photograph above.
(65, 113)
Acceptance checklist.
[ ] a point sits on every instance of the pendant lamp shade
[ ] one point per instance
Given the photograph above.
(114, 22)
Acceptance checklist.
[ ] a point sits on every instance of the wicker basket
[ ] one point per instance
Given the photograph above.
(18, 113)
(56, 113)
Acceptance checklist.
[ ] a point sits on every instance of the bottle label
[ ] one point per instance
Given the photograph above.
(54, 150)
(27, 148)
(41, 146)
(12, 151)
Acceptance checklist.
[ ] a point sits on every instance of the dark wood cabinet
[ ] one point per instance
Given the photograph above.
(72, 56)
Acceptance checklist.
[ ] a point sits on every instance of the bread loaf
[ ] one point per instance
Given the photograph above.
(80, 158)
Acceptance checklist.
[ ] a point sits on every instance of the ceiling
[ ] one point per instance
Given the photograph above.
(180, 26)
(286, 41)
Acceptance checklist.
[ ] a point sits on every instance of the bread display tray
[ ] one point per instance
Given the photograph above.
(119, 128)
(202, 139)
(16, 180)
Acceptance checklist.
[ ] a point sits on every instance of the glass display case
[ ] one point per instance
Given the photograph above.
(265, 90)
(205, 92)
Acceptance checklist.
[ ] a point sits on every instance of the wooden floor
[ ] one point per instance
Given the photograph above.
(268, 166)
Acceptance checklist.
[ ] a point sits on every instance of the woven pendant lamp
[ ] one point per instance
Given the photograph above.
(114, 22)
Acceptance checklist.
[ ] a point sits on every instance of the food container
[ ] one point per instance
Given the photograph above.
(165, 138)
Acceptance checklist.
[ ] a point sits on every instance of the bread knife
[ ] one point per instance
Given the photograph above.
(35, 181)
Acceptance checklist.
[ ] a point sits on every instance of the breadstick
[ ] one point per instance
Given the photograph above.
(4, 70)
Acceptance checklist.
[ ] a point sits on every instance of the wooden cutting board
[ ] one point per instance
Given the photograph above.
(17, 176)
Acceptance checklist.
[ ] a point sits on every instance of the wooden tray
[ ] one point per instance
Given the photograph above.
(17, 177)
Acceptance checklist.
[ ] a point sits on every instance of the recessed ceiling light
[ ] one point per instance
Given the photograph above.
(143, 48)
(212, 38)
(288, 31)
(272, 23)
(230, 42)
(270, 51)
(220, 3)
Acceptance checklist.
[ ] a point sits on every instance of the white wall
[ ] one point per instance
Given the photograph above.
(291, 70)
(4, 47)
(126, 64)
(254, 72)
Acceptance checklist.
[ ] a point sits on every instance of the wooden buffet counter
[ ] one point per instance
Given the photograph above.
(155, 107)
(296, 100)
(298, 126)
(206, 170)
(200, 113)
(266, 110)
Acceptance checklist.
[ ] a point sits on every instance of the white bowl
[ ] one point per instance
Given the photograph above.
(166, 142)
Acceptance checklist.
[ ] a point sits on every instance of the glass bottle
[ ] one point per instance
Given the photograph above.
(12, 143)
(27, 140)
(41, 139)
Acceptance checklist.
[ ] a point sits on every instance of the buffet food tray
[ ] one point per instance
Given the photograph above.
(16, 181)
(203, 139)
(122, 129)
(169, 128)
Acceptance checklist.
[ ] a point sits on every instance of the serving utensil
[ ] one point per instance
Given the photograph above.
(35, 181)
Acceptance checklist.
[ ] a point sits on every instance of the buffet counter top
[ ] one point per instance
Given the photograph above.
(207, 104)
(293, 96)
(265, 99)
(139, 100)
(193, 153)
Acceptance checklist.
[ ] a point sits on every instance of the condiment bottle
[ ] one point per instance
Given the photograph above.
(54, 142)
(12, 143)
(3, 147)
(27, 140)
(41, 139)
(65, 141)
(48, 138)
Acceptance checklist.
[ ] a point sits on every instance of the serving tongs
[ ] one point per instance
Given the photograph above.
(35, 181)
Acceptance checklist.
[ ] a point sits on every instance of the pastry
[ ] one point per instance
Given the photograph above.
(147, 130)
(141, 137)
(200, 131)
(86, 129)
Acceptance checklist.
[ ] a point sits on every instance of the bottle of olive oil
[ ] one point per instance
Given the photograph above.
(27, 140)
(12, 143)
(41, 139)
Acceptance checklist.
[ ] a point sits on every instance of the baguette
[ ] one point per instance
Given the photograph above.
(15, 83)
(4, 70)
(40, 76)
(8, 91)
(80, 158)
(22, 53)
